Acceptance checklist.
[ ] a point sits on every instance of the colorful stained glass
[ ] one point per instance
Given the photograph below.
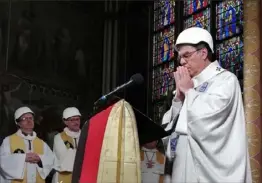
(229, 19)
(191, 6)
(201, 19)
(230, 55)
(164, 13)
(163, 80)
(163, 46)
(163, 54)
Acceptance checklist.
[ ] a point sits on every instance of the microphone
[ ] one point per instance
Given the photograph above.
(136, 79)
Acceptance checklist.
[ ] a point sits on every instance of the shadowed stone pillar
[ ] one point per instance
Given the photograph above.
(252, 84)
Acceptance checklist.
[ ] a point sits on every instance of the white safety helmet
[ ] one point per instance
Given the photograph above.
(20, 111)
(70, 112)
(195, 35)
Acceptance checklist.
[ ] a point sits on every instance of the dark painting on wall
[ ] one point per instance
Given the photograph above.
(51, 39)
(4, 13)
(29, 52)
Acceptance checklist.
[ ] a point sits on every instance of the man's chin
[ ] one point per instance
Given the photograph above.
(76, 129)
(28, 130)
(191, 74)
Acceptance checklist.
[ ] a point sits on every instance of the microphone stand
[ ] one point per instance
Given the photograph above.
(117, 89)
(100, 106)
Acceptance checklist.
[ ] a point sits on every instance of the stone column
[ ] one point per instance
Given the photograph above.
(252, 84)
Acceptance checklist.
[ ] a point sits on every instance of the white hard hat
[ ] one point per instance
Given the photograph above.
(195, 35)
(22, 110)
(70, 111)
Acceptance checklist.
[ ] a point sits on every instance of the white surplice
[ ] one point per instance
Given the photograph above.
(64, 158)
(13, 165)
(151, 175)
(212, 144)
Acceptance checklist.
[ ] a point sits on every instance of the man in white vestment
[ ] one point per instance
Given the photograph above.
(209, 141)
(24, 157)
(152, 163)
(65, 146)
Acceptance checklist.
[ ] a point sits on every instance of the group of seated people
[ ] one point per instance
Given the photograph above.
(25, 158)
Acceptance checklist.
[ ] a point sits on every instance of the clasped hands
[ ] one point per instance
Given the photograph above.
(183, 82)
(32, 157)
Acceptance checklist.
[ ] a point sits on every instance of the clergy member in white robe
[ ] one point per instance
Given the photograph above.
(65, 146)
(152, 163)
(209, 143)
(24, 158)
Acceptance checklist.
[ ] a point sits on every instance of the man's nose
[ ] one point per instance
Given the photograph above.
(30, 121)
(182, 61)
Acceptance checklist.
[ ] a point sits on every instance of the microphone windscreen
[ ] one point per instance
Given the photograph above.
(137, 79)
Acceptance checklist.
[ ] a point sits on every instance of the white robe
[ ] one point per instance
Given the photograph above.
(212, 144)
(151, 175)
(13, 165)
(64, 158)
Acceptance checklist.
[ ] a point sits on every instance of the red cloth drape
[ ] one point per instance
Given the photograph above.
(93, 146)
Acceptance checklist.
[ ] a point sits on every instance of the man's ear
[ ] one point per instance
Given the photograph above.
(18, 124)
(65, 122)
(204, 53)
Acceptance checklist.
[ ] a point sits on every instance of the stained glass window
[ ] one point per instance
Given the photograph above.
(164, 13)
(191, 7)
(163, 45)
(197, 13)
(200, 20)
(229, 19)
(163, 82)
(229, 29)
(163, 53)
(230, 54)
